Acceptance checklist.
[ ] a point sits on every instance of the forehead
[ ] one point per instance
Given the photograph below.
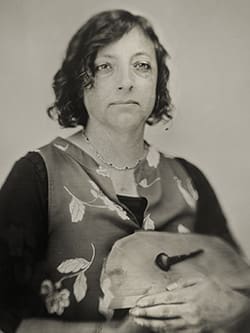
(133, 42)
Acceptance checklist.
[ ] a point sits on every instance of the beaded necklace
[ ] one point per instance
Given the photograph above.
(109, 164)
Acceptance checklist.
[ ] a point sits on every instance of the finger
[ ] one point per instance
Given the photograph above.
(174, 294)
(164, 297)
(161, 311)
(184, 283)
(162, 325)
(185, 311)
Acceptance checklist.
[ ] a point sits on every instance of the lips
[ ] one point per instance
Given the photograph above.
(122, 102)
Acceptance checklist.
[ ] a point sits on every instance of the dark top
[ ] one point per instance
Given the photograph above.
(24, 227)
(136, 205)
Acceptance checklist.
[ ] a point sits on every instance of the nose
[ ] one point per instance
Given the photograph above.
(125, 79)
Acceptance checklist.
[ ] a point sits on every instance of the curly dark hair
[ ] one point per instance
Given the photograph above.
(78, 71)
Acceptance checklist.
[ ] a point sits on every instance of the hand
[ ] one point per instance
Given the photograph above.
(191, 305)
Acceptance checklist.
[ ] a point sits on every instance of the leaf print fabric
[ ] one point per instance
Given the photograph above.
(80, 286)
(84, 209)
(93, 184)
(98, 194)
(73, 265)
(189, 194)
(182, 229)
(94, 193)
(56, 300)
(56, 297)
(62, 148)
(114, 207)
(192, 190)
(77, 207)
(102, 171)
(144, 183)
(148, 223)
(153, 157)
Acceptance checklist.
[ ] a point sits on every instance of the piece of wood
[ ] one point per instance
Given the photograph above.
(130, 270)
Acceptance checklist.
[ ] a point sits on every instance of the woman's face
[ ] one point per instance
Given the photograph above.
(124, 90)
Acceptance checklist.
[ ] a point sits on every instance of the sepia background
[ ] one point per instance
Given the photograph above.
(209, 44)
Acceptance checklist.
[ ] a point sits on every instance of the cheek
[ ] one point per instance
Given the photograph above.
(100, 91)
(93, 96)
(90, 100)
(149, 92)
(151, 83)
(103, 83)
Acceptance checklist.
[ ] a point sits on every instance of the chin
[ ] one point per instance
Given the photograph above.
(127, 118)
(128, 123)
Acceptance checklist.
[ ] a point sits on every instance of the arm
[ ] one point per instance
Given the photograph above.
(210, 218)
(23, 232)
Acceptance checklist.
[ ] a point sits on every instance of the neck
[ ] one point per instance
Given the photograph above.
(121, 148)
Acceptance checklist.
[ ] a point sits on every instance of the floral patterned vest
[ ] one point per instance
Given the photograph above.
(86, 218)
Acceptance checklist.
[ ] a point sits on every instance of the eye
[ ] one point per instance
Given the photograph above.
(103, 68)
(142, 66)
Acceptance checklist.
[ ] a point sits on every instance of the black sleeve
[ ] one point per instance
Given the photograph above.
(210, 218)
(23, 231)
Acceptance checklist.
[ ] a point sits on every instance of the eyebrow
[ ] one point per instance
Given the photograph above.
(142, 53)
(134, 55)
(105, 56)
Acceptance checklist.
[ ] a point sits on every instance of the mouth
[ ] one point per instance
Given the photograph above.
(122, 102)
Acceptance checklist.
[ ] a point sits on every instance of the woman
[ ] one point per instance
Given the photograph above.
(99, 185)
